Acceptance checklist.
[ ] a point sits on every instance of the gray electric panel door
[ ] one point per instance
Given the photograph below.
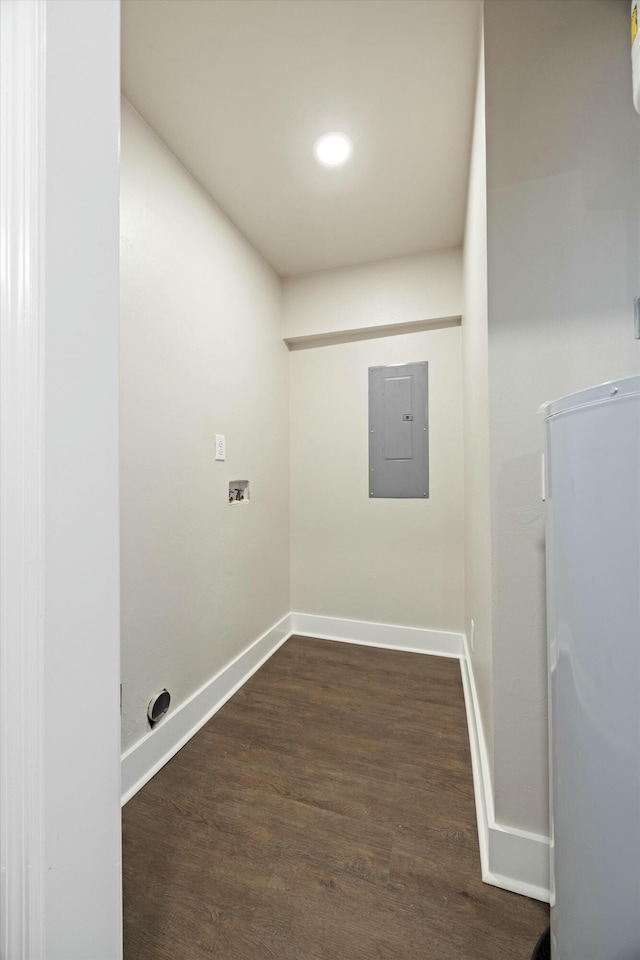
(399, 431)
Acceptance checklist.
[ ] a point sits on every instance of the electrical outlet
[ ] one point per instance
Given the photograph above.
(472, 636)
(221, 446)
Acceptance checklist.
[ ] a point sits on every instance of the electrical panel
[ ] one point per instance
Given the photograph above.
(399, 431)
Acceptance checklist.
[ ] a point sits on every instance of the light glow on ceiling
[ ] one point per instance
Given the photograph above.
(333, 149)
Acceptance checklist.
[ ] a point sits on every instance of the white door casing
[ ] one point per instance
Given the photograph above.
(60, 880)
(22, 212)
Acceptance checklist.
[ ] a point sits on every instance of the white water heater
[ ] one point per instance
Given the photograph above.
(593, 588)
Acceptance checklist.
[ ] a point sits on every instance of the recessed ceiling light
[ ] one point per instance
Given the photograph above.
(333, 149)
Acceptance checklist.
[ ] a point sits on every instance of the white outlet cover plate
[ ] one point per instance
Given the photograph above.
(221, 446)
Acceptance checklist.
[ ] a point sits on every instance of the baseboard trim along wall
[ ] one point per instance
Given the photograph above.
(510, 858)
(141, 761)
(438, 643)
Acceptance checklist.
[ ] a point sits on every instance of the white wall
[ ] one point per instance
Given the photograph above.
(414, 289)
(391, 561)
(477, 496)
(201, 354)
(563, 266)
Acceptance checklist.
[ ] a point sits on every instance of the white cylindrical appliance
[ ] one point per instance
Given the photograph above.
(593, 588)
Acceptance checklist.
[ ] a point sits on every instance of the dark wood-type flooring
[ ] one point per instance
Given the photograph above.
(325, 813)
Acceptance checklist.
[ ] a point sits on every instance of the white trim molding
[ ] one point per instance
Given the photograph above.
(60, 844)
(141, 761)
(510, 858)
(438, 643)
(22, 298)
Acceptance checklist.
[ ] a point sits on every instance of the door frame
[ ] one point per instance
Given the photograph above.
(60, 861)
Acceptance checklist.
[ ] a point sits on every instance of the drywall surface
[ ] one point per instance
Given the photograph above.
(79, 777)
(201, 354)
(563, 266)
(407, 290)
(475, 372)
(390, 561)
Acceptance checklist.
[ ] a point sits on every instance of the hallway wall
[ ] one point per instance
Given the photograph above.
(420, 288)
(201, 353)
(383, 560)
(563, 154)
(475, 376)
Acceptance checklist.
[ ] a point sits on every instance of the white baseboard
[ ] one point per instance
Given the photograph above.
(510, 858)
(438, 643)
(141, 761)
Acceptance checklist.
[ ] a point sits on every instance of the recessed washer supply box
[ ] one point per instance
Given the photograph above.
(239, 491)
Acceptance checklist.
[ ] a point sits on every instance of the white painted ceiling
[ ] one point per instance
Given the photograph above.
(240, 90)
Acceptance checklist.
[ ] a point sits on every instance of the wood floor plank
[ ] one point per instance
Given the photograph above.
(325, 813)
